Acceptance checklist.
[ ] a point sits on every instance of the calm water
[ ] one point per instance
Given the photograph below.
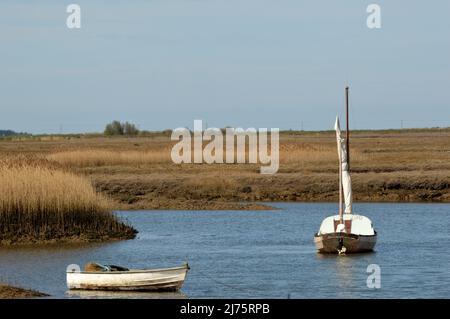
(260, 254)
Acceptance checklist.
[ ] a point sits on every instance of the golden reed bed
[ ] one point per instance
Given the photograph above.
(39, 203)
(95, 157)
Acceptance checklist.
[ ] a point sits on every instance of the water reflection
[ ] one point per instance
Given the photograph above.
(349, 272)
(98, 294)
(345, 273)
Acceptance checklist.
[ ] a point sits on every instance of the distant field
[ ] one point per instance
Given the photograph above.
(137, 173)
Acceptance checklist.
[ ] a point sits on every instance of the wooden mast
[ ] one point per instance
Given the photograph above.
(347, 146)
(347, 139)
(341, 215)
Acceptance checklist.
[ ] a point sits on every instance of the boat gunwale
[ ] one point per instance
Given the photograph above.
(348, 235)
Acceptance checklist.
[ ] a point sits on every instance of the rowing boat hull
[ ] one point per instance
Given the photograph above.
(330, 243)
(168, 279)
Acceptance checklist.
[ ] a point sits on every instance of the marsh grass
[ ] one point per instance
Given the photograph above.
(138, 173)
(96, 157)
(290, 153)
(38, 203)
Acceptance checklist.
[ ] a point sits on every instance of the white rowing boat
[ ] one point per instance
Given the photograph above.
(120, 278)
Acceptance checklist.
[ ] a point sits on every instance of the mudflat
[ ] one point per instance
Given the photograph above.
(10, 292)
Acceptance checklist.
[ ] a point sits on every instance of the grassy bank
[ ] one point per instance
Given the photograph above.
(137, 173)
(39, 203)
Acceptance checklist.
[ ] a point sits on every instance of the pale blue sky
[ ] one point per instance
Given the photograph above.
(248, 63)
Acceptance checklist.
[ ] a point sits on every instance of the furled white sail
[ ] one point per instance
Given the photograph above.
(346, 180)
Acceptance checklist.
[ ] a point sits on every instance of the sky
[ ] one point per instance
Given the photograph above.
(243, 63)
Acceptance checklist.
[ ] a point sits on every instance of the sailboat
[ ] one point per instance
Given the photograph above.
(346, 232)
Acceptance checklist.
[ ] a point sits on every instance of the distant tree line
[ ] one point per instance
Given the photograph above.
(118, 128)
(11, 133)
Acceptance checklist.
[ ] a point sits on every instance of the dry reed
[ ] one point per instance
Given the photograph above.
(97, 157)
(92, 158)
(39, 204)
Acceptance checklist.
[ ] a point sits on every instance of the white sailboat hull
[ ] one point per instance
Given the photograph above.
(357, 234)
(332, 243)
